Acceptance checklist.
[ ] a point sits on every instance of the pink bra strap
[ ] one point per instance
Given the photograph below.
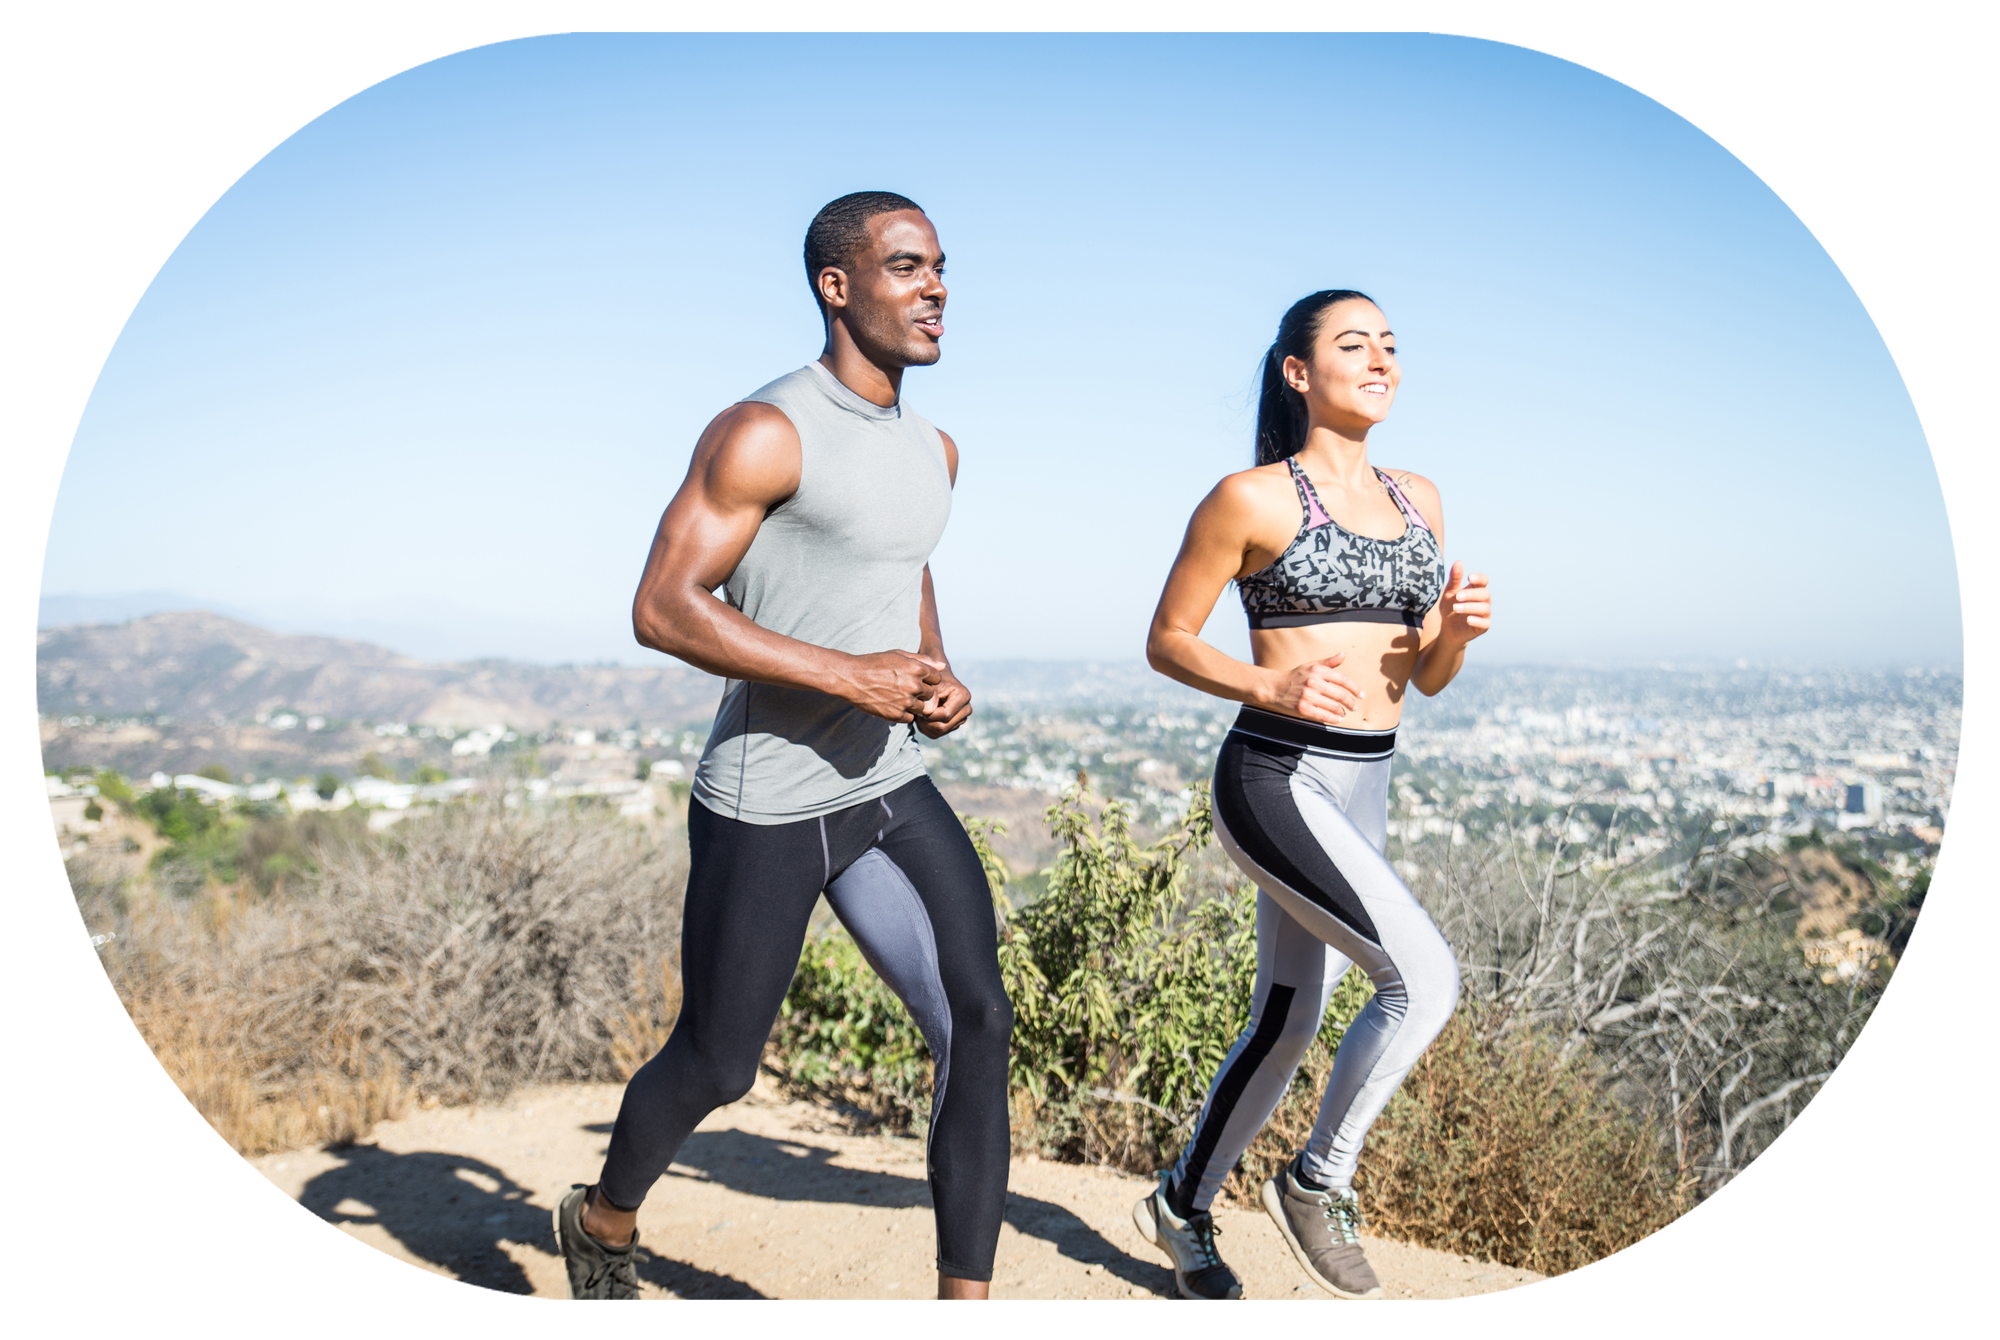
(1315, 514)
(1409, 508)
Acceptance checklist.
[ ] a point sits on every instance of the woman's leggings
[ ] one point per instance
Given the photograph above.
(1303, 809)
(903, 878)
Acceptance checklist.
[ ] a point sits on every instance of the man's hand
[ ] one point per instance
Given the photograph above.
(893, 685)
(949, 707)
(1466, 607)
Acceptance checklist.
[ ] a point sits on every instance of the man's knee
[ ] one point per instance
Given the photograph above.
(704, 1079)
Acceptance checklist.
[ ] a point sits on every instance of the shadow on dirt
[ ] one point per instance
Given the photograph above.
(794, 1170)
(456, 1212)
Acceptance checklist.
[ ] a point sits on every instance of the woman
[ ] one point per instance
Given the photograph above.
(1338, 566)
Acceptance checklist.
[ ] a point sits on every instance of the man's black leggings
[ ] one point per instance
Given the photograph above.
(903, 878)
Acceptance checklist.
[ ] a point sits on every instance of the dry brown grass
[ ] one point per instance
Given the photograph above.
(642, 1027)
(483, 949)
(1498, 1147)
(171, 1081)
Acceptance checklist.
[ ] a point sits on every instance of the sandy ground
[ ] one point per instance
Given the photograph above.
(771, 1199)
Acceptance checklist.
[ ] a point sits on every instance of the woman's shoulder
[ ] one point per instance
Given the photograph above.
(1254, 487)
(1410, 482)
(1423, 494)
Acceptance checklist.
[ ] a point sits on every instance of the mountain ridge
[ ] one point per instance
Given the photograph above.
(196, 664)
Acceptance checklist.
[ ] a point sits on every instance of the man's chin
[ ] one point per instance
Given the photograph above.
(924, 354)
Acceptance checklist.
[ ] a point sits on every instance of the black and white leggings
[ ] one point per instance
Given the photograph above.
(1303, 809)
(903, 878)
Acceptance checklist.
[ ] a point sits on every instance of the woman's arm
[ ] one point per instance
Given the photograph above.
(1462, 613)
(1218, 546)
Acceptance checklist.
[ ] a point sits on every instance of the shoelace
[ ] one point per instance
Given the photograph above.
(1342, 1215)
(619, 1268)
(1205, 1231)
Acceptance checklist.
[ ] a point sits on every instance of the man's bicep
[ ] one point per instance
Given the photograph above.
(745, 464)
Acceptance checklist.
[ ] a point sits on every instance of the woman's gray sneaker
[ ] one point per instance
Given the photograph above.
(1323, 1229)
(1189, 1243)
(595, 1270)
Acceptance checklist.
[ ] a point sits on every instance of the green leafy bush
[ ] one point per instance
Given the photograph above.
(113, 787)
(177, 815)
(1130, 977)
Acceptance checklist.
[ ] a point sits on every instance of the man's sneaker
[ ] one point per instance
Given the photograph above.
(1323, 1229)
(1189, 1243)
(595, 1270)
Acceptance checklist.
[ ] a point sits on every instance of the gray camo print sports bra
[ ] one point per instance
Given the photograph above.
(1330, 575)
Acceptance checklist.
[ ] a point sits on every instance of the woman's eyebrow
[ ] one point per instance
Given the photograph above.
(1387, 334)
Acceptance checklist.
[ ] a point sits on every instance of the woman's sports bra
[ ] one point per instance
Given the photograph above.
(1329, 574)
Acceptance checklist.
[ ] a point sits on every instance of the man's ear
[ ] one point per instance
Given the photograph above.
(832, 285)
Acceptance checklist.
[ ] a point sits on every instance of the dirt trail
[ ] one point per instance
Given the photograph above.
(770, 1199)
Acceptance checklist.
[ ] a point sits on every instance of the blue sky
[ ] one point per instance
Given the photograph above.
(429, 372)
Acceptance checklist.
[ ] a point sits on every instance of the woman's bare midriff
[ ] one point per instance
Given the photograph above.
(1380, 658)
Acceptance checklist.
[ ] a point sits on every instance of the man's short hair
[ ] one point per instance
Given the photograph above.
(840, 230)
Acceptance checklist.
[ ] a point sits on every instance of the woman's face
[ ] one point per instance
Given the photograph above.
(1352, 375)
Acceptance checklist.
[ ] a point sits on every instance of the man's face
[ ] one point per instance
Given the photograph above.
(892, 300)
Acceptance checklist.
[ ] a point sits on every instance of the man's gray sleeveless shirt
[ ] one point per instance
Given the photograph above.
(839, 564)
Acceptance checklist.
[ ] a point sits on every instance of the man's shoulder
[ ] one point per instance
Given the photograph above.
(750, 450)
(753, 422)
(777, 390)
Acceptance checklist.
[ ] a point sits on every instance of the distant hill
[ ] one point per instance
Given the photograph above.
(200, 666)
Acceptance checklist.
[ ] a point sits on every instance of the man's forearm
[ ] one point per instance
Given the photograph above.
(710, 635)
(930, 639)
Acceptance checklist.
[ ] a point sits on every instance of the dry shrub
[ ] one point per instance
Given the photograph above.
(179, 968)
(1497, 1146)
(482, 949)
(486, 948)
(641, 1029)
(161, 1083)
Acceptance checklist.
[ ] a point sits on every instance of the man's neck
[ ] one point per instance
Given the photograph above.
(857, 372)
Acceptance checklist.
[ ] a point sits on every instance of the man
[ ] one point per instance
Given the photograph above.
(815, 504)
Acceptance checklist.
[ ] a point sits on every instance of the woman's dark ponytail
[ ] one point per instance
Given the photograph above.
(1281, 411)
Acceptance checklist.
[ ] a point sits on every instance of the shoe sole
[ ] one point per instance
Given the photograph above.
(1274, 1205)
(1149, 1230)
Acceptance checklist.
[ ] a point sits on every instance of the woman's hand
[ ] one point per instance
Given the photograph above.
(1466, 607)
(1315, 691)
